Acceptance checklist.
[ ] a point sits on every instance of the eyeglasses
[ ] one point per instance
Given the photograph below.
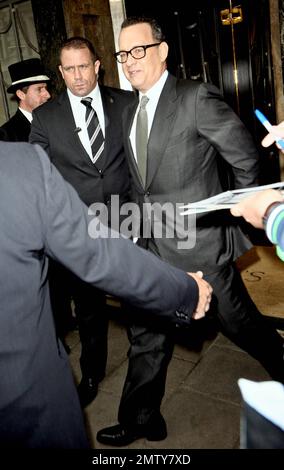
(137, 52)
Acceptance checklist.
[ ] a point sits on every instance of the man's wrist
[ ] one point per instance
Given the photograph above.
(269, 211)
(272, 217)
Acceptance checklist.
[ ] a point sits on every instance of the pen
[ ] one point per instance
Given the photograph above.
(268, 127)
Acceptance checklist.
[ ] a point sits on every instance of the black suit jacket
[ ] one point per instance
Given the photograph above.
(17, 129)
(54, 128)
(192, 124)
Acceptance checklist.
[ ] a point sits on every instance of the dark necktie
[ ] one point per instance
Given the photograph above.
(96, 137)
(142, 138)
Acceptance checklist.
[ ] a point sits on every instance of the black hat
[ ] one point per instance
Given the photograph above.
(25, 73)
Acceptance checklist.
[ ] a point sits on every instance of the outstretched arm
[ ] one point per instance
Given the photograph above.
(110, 262)
(254, 208)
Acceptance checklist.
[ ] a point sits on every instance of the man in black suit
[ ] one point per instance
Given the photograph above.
(188, 125)
(60, 128)
(29, 84)
(42, 216)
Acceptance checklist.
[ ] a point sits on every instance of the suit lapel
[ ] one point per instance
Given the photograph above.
(160, 132)
(107, 101)
(66, 116)
(161, 128)
(128, 121)
(22, 126)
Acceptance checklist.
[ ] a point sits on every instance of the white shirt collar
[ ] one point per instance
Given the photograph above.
(94, 94)
(27, 114)
(154, 92)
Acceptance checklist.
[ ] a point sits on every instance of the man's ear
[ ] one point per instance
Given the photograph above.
(61, 71)
(20, 94)
(97, 66)
(163, 51)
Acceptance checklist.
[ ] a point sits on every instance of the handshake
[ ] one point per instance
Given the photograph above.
(205, 295)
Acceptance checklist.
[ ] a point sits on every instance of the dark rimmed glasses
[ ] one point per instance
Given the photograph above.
(137, 52)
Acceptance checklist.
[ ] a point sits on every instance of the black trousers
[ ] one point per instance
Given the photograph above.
(60, 296)
(151, 351)
(93, 320)
(92, 317)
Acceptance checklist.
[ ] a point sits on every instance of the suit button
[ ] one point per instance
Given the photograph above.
(100, 173)
(147, 193)
(181, 315)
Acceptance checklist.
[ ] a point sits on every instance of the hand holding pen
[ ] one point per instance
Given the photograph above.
(276, 133)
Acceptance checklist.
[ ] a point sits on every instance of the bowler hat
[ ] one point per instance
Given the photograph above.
(25, 73)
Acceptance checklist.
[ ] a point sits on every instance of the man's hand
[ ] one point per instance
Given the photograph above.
(253, 208)
(205, 294)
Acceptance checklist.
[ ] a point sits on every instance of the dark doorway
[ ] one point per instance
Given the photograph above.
(229, 47)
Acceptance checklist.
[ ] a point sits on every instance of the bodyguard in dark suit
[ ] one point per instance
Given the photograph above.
(42, 216)
(188, 125)
(17, 129)
(60, 128)
(29, 84)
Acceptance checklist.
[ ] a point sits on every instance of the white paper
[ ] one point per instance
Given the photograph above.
(267, 398)
(225, 200)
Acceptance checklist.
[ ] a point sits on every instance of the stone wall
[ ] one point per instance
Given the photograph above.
(92, 19)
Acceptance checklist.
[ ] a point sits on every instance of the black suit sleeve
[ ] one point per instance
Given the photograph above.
(105, 259)
(3, 135)
(218, 123)
(38, 134)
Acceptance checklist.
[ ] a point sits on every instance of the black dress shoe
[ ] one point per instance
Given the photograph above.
(87, 391)
(118, 436)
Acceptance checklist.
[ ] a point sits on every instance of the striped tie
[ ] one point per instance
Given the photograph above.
(96, 137)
